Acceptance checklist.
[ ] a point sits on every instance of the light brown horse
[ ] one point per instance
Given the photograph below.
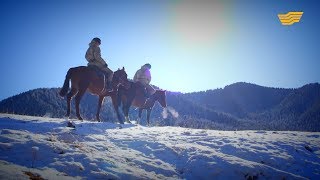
(86, 78)
(135, 95)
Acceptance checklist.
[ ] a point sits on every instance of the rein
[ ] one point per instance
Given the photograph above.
(120, 80)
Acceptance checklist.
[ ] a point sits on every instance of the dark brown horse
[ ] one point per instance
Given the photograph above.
(135, 95)
(86, 78)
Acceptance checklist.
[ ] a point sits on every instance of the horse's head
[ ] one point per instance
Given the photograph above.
(120, 77)
(160, 96)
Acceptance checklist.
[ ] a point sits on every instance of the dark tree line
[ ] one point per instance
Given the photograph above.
(238, 106)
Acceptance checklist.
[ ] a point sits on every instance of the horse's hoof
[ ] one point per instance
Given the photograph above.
(69, 124)
(80, 118)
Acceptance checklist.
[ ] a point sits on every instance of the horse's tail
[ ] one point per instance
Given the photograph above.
(65, 88)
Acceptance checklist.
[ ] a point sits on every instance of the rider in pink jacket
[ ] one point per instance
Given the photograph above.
(143, 76)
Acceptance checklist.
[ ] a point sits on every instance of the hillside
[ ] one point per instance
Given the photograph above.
(46, 148)
(241, 106)
(240, 99)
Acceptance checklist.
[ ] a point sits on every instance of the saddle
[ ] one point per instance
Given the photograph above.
(98, 71)
(102, 76)
(145, 92)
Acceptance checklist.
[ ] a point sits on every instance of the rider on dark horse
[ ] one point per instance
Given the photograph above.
(143, 76)
(93, 56)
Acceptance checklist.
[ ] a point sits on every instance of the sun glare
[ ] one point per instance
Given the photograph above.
(198, 23)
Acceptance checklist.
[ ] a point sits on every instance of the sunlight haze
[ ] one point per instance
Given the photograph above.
(191, 45)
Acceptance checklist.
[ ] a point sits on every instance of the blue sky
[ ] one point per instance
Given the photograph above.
(192, 45)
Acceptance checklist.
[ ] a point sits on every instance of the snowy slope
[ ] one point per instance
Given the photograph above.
(104, 150)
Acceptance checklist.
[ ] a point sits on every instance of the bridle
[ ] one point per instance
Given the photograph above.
(121, 80)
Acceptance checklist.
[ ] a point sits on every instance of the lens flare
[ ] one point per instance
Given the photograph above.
(198, 23)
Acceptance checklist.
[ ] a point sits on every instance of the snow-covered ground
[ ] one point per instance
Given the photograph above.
(45, 147)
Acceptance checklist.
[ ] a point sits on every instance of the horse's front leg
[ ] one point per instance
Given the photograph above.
(126, 113)
(115, 103)
(148, 116)
(140, 114)
(126, 105)
(128, 119)
(99, 107)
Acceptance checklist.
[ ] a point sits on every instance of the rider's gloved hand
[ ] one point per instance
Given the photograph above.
(106, 65)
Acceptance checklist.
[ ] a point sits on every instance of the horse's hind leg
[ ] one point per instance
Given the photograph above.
(69, 97)
(99, 107)
(78, 98)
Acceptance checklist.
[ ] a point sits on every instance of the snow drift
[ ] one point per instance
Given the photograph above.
(45, 147)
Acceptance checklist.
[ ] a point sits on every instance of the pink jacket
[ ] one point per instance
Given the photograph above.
(143, 75)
